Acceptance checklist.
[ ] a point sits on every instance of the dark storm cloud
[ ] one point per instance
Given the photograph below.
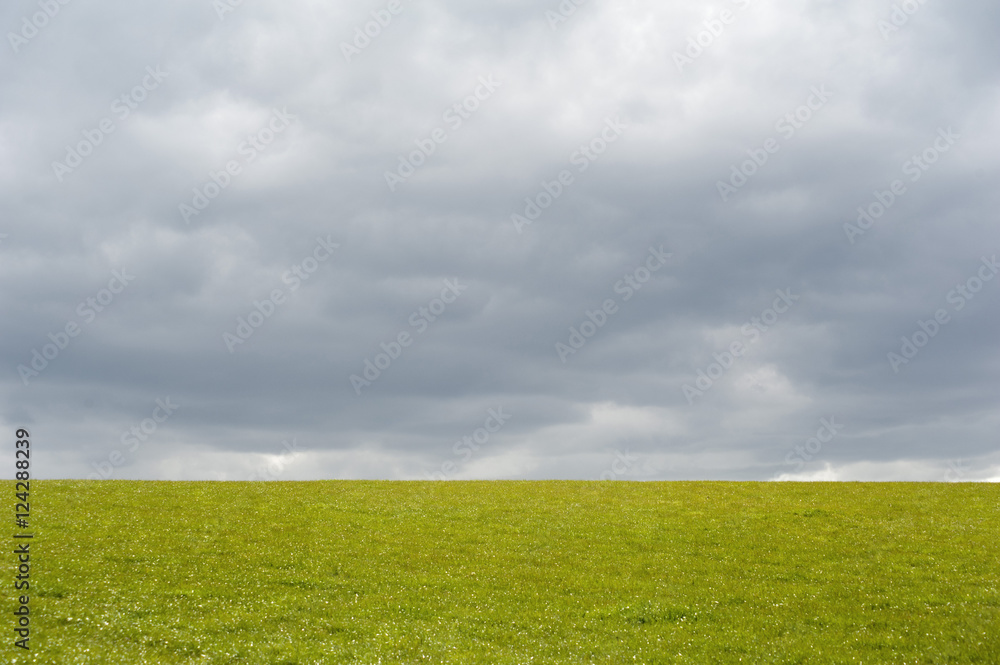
(234, 143)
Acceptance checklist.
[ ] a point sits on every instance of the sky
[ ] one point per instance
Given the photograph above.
(455, 239)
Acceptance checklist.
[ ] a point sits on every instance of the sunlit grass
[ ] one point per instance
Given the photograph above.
(513, 572)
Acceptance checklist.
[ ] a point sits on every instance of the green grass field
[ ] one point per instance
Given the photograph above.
(512, 572)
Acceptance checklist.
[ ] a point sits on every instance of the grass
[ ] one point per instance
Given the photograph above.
(512, 572)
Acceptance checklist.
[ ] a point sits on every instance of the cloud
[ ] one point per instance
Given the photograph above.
(208, 129)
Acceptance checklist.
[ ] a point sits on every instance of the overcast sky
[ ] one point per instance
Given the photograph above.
(515, 239)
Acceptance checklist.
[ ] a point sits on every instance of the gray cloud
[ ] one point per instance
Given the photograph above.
(620, 396)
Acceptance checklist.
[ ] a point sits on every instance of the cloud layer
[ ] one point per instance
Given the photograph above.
(665, 240)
